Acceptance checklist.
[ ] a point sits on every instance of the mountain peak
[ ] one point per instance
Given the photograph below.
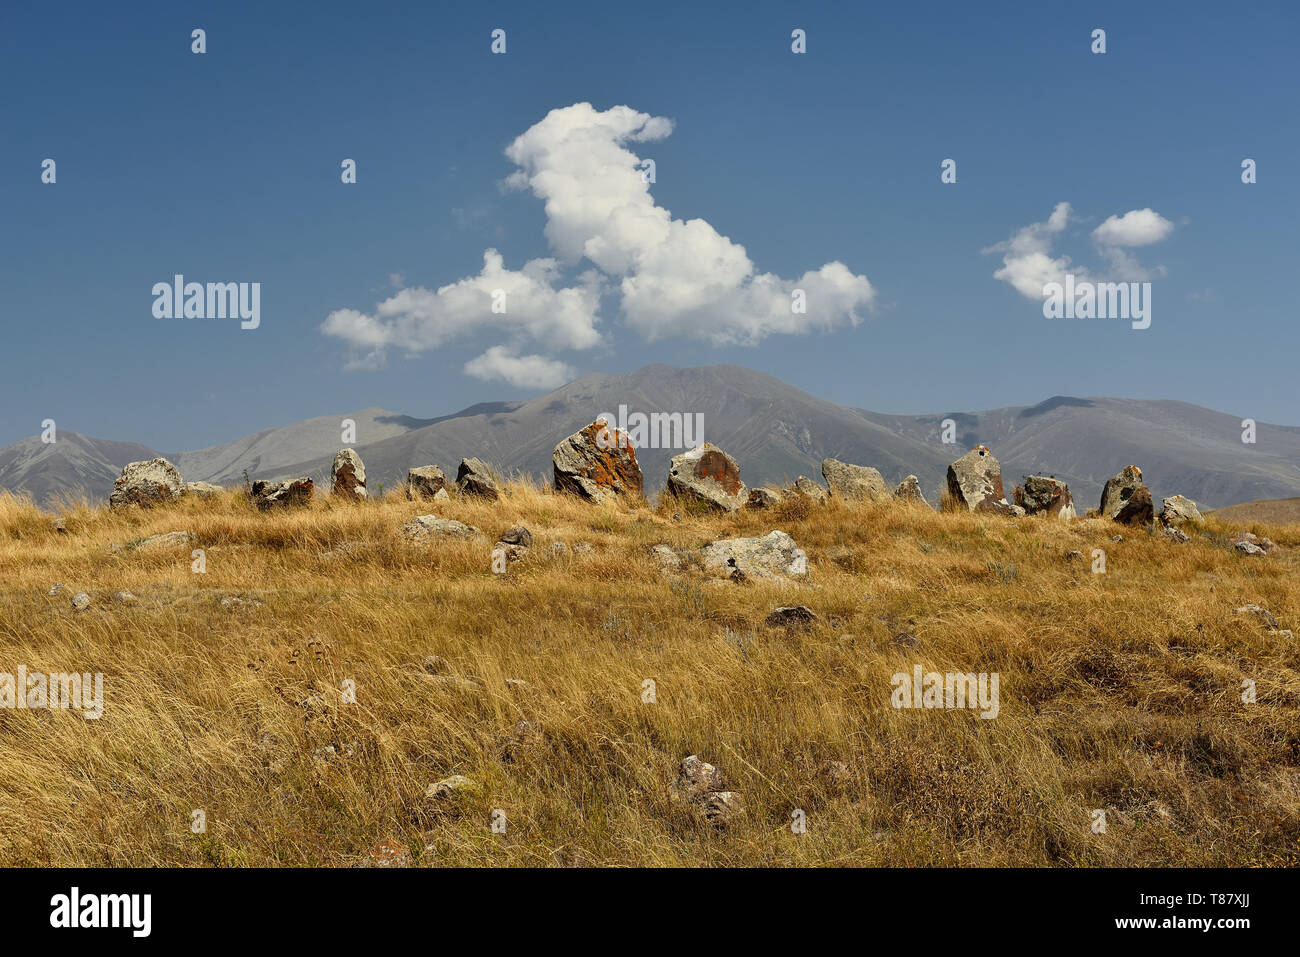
(775, 431)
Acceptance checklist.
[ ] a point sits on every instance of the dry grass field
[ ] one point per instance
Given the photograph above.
(1119, 691)
(1275, 511)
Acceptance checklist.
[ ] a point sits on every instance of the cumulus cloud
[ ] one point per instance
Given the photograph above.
(532, 309)
(671, 277)
(1137, 227)
(676, 277)
(1028, 264)
(524, 372)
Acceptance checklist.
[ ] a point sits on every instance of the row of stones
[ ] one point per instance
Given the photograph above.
(599, 464)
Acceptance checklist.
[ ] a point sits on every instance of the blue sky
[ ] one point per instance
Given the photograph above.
(226, 167)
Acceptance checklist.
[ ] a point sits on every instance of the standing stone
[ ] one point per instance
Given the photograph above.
(426, 482)
(475, 478)
(763, 498)
(808, 488)
(1125, 499)
(155, 482)
(707, 475)
(348, 474)
(1043, 495)
(909, 490)
(854, 482)
(597, 463)
(975, 482)
(1179, 510)
(268, 495)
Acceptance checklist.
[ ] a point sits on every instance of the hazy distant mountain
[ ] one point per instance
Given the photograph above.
(775, 431)
(70, 466)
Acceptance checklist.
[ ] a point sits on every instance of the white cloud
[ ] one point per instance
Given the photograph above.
(417, 319)
(673, 277)
(1026, 261)
(523, 372)
(1028, 264)
(677, 277)
(1137, 227)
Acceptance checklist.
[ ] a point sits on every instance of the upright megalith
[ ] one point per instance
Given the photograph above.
(708, 476)
(426, 482)
(909, 490)
(1179, 510)
(975, 482)
(155, 482)
(1045, 495)
(597, 463)
(348, 475)
(809, 489)
(474, 478)
(1126, 500)
(854, 482)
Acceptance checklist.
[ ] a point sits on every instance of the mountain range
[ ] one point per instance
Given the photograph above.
(775, 431)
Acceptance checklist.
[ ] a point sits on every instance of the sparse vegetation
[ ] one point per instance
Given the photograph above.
(1119, 691)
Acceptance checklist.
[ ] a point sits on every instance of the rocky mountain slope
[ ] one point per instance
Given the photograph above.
(776, 431)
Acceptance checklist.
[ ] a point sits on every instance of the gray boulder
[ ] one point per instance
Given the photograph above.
(295, 492)
(763, 498)
(426, 482)
(909, 490)
(1179, 510)
(1126, 500)
(516, 535)
(1253, 544)
(1044, 495)
(425, 528)
(165, 540)
(808, 488)
(203, 489)
(475, 478)
(701, 788)
(975, 482)
(155, 482)
(791, 616)
(708, 476)
(665, 559)
(775, 555)
(348, 475)
(452, 787)
(1260, 612)
(597, 463)
(854, 482)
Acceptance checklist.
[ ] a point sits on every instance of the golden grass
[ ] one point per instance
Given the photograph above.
(1119, 691)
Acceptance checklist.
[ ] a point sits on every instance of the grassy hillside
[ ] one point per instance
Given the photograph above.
(1275, 511)
(1119, 691)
